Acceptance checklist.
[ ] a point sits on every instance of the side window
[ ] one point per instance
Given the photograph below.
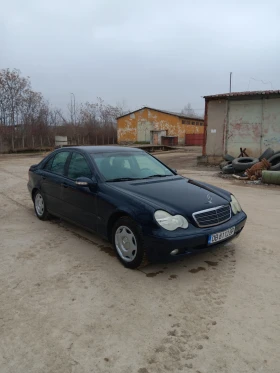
(48, 165)
(58, 164)
(78, 167)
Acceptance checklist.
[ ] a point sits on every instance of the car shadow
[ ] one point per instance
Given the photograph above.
(192, 264)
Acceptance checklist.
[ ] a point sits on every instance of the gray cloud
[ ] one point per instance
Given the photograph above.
(157, 53)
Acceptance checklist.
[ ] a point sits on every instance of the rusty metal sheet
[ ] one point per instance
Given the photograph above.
(194, 139)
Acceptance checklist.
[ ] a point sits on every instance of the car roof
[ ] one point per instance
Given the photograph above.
(103, 149)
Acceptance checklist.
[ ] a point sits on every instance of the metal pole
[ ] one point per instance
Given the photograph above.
(74, 106)
(230, 82)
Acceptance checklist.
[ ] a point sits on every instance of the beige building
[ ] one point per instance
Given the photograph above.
(237, 120)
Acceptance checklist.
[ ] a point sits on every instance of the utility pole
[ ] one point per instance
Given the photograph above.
(74, 106)
(230, 74)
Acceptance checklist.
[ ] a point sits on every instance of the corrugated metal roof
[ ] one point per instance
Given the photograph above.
(246, 93)
(180, 115)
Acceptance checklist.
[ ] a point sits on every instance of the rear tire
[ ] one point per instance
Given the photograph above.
(40, 206)
(128, 243)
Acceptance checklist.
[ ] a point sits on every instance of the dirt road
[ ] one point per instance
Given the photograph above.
(68, 305)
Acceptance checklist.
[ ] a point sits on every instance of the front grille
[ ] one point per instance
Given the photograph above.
(213, 216)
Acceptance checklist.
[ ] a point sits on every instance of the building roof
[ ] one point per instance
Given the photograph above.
(180, 115)
(246, 93)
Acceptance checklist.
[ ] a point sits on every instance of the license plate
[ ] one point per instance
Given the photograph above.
(216, 237)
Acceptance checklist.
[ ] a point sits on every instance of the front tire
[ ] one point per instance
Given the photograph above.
(40, 206)
(128, 243)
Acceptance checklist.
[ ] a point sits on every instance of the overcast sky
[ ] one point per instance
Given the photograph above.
(159, 53)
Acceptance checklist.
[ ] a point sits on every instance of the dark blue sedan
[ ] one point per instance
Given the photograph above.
(135, 201)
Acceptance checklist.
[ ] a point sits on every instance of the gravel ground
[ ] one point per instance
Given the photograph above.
(68, 305)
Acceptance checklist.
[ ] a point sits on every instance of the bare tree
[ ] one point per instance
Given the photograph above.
(13, 89)
(27, 120)
(188, 111)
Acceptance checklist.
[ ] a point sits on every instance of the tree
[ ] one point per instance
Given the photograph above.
(13, 89)
(188, 111)
(27, 120)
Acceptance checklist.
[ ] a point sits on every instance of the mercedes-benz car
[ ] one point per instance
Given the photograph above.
(144, 208)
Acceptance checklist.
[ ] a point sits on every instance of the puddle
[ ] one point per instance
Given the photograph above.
(153, 274)
(172, 277)
(212, 264)
(198, 269)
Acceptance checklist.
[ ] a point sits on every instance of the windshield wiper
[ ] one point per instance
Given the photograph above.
(123, 179)
(156, 175)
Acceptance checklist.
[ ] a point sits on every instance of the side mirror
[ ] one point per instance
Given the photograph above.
(174, 170)
(86, 182)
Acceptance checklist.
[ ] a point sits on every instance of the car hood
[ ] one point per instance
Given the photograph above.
(176, 194)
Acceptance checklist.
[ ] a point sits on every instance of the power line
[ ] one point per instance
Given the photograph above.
(259, 80)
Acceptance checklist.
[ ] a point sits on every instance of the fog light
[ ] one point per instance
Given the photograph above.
(174, 252)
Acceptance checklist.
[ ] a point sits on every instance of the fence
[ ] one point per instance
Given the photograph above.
(15, 144)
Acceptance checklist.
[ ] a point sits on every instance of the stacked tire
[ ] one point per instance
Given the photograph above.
(242, 164)
(275, 162)
(230, 165)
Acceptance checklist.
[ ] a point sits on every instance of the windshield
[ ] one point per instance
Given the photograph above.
(129, 166)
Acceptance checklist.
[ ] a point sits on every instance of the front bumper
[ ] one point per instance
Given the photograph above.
(194, 240)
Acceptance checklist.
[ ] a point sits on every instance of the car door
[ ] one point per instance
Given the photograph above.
(79, 201)
(53, 175)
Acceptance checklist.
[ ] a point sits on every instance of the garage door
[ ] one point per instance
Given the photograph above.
(244, 127)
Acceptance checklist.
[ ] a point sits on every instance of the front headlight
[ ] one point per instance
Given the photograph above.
(170, 222)
(235, 205)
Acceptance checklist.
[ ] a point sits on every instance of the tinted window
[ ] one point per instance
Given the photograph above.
(78, 167)
(58, 163)
(48, 165)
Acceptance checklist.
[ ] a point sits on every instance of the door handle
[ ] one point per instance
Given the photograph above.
(64, 185)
